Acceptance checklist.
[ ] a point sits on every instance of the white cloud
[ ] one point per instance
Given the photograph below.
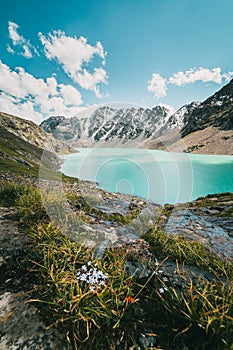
(73, 53)
(157, 85)
(90, 81)
(19, 40)
(70, 95)
(227, 76)
(10, 50)
(27, 52)
(201, 74)
(24, 95)
(11, 105)
(13, 34)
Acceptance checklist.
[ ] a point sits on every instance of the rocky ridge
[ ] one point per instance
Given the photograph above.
(180, 118)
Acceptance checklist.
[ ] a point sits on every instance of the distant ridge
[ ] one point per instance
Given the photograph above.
(216, 111)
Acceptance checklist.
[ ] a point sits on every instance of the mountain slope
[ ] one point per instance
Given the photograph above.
(32, 133)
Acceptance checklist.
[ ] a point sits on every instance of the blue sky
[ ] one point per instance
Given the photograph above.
(58, 57)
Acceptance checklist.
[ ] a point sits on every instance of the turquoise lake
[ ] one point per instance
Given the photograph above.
(158, 176)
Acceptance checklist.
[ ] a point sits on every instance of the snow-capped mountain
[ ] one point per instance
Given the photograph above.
(108, 124)
(180, 118)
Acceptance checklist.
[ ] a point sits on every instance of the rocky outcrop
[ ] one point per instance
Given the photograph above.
(207, 220)
(214, 233)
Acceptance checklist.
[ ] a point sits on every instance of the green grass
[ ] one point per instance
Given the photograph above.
(26, 198)
(191, 314)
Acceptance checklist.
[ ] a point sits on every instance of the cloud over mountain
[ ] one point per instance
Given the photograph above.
(201, 74)
(23, 94)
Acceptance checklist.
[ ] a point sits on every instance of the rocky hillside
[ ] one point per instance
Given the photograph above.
(32, 133)
(108, 124)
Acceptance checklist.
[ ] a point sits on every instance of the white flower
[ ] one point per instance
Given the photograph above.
(83, 277)
(92, 277)
(84, 268)
(162, 290)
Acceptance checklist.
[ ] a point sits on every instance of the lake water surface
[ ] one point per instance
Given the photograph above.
(159, 176)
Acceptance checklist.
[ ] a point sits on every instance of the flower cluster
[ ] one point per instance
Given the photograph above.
(92, 277)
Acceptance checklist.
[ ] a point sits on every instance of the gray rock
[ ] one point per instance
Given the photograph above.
(203, 229)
